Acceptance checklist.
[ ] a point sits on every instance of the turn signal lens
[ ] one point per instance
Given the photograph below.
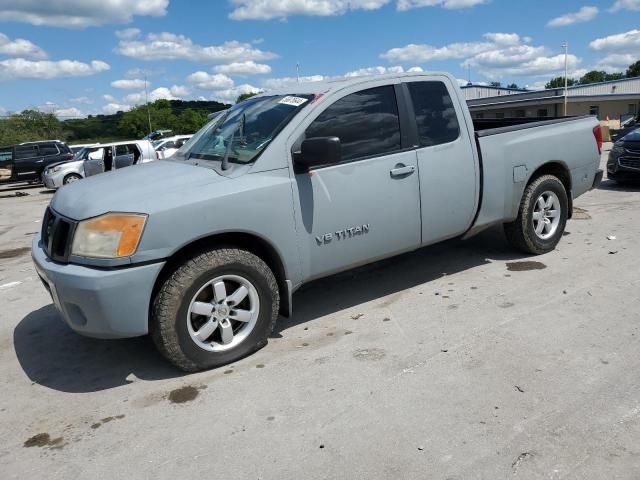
(109, 236)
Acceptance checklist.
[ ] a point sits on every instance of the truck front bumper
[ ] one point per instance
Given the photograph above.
(98, 302)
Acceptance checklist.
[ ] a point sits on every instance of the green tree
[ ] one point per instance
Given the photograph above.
(513, 85)
(558, 82)
(596, 76)
(28, 126)
(634, 70)
(495, 84)
(244, 96)
(190, 121)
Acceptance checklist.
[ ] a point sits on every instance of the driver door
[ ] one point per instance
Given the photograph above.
(367, 206)
(94, 162)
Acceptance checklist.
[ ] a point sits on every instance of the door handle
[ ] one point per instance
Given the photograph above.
(401, 170)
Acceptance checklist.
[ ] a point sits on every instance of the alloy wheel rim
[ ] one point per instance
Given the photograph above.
(223, 313)
(546, 215)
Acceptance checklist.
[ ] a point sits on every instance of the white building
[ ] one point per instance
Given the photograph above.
(614, 100)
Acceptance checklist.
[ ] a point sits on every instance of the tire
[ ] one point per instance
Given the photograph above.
(177, 330)
(72, 177)
(521, 233)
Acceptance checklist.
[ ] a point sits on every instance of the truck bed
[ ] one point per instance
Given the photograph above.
(494, 126)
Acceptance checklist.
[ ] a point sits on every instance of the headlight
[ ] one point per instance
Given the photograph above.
(109, 236)
(618, 147)
(55, 169)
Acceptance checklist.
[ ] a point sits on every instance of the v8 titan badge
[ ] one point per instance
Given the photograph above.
(343, 234)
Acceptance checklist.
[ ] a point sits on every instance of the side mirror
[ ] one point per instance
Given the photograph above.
(317, 151)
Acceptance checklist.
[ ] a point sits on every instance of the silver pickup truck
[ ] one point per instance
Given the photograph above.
(203, 251)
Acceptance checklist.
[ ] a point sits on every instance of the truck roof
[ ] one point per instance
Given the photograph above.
(339, 83)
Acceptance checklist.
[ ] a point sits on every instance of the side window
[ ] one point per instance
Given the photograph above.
(26, 151)
(366, 122)
(435, 115)
(121, 150)
(48, 149)
(6, 154)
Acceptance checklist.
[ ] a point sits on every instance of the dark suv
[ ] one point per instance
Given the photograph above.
(26, 161)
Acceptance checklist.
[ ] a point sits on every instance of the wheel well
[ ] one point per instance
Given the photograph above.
(245, 241)
(560, 171)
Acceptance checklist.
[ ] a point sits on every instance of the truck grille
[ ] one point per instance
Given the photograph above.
(57, 233)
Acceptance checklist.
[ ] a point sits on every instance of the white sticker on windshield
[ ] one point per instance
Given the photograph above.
(293, 101)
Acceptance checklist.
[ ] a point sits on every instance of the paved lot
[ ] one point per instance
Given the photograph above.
(451, 362)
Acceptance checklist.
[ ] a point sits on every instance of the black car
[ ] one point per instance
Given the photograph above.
(624, 158)
(26, 161)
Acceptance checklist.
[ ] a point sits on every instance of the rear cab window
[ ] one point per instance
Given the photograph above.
(366, 122)
(436, 116)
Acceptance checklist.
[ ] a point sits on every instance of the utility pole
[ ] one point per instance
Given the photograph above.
(566, 75)
(146, 98)
(298, 72)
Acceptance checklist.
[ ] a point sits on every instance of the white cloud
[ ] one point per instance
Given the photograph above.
(633, 5)
(79, 13)
(230, 95)
(169, 46)
(20, 48)
(616, 62)
(373, 71)
(81, 100)
(243, 68)
(129, 83)
(448, 4)
(179, 91)
(134, 98)
(269, 9)
(283, 82)
(45, 69)
(111, 108)
(627, 42)
(71, 112)
(205, 81)
(585, 14)
(496, 56)
(420, 53)
(109, 98)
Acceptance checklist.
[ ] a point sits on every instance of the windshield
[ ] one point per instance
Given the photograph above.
(245, 130)
(80, 153)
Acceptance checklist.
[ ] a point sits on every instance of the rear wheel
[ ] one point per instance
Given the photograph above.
(542, 216)
(72, 177)
(214, 309)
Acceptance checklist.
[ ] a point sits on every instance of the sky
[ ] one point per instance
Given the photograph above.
(81, 57)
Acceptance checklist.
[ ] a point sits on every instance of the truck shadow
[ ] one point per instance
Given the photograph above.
(52, 355)
(631, 185)
(380, 279)
(55, 357)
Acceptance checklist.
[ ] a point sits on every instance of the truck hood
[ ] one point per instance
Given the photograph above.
(634, 136)
(143, 188)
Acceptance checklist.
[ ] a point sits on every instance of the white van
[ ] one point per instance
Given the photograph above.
(96, 159)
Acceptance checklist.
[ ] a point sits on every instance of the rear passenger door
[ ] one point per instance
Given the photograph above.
(449, 173)
(28, 162)
(367, 206)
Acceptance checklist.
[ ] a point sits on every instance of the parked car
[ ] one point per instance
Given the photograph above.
(170, 145)
(157, 135)
(204, 250)
(98, 159)
(627, 125)
(624, 158)
(26, 161)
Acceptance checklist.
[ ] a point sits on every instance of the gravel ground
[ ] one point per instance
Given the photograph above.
(457, 361)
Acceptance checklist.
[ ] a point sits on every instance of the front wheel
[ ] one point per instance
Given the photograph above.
(214, 309)
(542, 216)
(72, 177)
